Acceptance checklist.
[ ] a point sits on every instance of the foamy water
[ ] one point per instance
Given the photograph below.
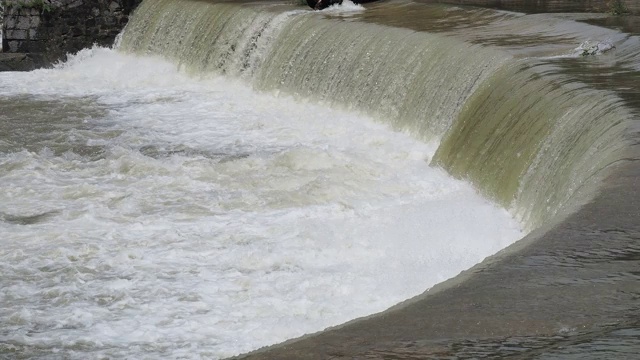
(148, 214)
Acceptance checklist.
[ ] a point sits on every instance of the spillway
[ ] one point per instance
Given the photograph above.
(237, 174)
(510, 143)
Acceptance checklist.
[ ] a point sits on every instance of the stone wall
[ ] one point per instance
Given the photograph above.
(1, 24)
(21, 27)
(633, 6)
(54, 28)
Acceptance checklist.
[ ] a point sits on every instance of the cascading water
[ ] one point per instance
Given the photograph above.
(530, 153)
(535, 152)
(378, 70)
(157, 207)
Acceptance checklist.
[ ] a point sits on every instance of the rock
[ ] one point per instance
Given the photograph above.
(588, 48)
(19, 62)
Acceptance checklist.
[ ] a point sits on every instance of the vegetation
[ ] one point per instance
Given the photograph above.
(42, 5)
(617, 7)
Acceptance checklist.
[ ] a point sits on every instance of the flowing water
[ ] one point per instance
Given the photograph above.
(233, 175)
(146, 213)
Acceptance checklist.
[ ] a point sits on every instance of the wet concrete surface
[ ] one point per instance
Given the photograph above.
(547, 6)
(629, 23)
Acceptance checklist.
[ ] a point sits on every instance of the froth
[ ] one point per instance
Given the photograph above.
(215, 220)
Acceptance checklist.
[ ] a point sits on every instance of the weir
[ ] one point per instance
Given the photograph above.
(549, 135)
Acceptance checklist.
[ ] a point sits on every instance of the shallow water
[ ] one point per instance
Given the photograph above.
(146, 213)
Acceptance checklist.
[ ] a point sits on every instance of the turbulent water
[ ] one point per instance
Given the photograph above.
(235, 175)
(149, 214)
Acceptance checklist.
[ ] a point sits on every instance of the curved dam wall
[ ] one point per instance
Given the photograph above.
(536, 143)
(550, 138)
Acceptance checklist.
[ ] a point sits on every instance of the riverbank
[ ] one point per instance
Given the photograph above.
(20, 62)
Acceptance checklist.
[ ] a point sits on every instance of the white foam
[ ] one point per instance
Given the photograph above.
(217, 220)
(345, 7)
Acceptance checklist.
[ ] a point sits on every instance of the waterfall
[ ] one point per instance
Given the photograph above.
(534, 143)
(533, 140)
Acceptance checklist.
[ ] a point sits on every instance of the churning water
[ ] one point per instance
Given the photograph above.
(146, 213)
(239, 174)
